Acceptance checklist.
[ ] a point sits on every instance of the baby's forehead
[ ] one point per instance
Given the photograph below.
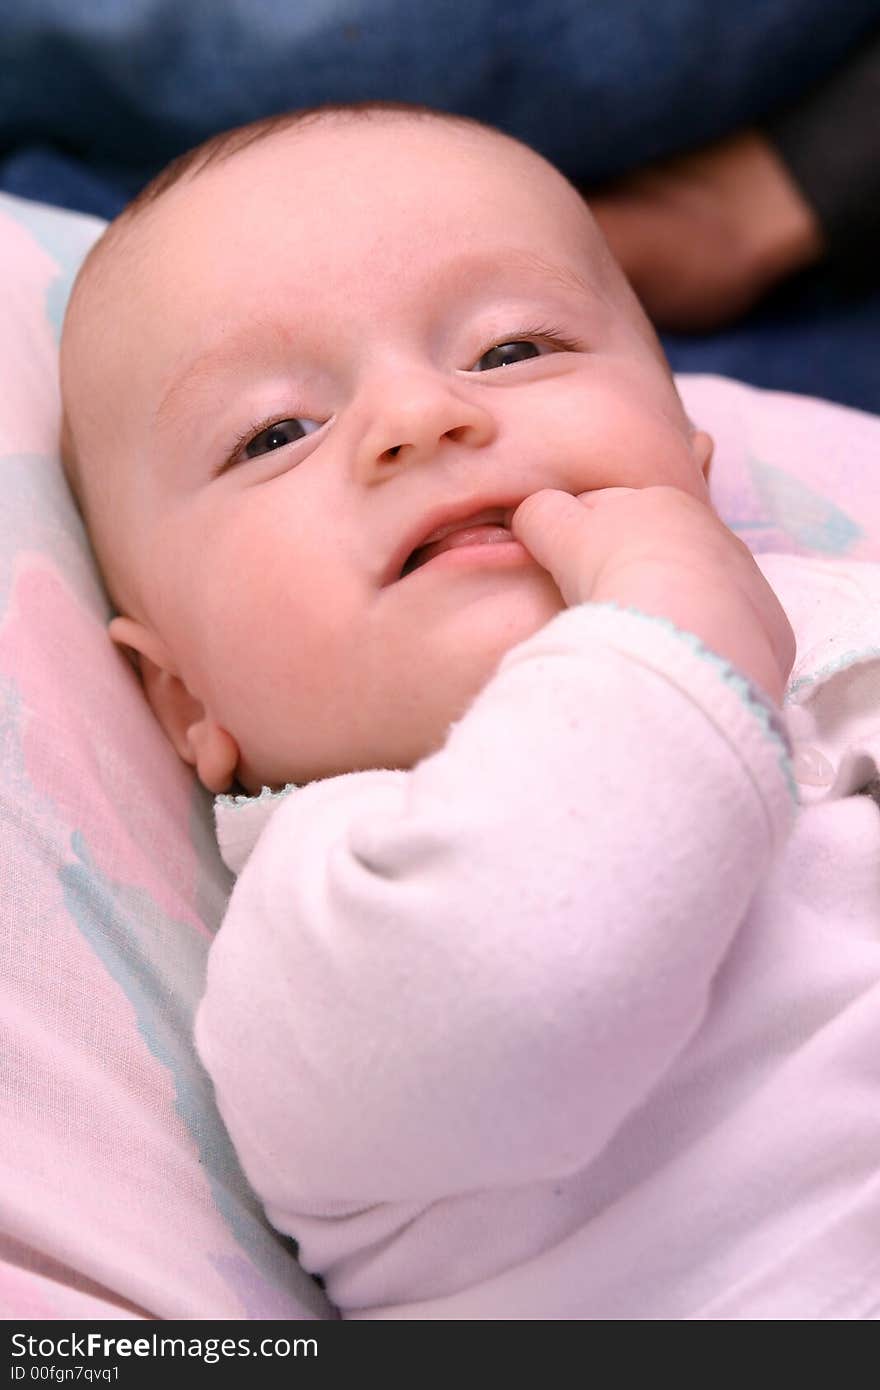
(460, 176)
(405, 168)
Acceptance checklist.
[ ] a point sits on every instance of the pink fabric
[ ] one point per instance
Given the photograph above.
(595, 981)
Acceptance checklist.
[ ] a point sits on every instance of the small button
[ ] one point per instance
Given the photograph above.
(812, 768)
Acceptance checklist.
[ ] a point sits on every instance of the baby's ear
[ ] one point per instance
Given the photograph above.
(199, 740)
(703, 446)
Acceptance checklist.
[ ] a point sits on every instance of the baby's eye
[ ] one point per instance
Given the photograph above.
(505, 354)
(277, 435)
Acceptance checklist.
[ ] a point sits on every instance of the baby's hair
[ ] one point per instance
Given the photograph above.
(227, 143)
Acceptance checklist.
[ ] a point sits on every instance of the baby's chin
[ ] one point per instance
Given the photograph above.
(461, 645)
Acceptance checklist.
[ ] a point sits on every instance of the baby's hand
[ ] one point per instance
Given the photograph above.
(664, 552)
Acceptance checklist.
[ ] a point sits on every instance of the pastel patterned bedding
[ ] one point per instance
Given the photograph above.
(120, 1194)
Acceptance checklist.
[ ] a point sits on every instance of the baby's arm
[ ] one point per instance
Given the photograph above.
(469, 974)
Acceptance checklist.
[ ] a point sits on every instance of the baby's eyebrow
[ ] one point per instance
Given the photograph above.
(564, 275)
(502, 263)
(227, 350)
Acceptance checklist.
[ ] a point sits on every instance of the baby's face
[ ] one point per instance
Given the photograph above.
(322, 351)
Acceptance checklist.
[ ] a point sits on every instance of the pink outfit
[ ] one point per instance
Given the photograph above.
(579, 1018)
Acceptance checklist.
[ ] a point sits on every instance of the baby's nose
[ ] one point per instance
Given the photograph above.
(410, 422)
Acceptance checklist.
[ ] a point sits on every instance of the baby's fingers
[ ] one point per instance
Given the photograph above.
(553, 526)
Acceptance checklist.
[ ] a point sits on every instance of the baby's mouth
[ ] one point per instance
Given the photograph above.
(450, 527)
(486, 533)
(472, 525)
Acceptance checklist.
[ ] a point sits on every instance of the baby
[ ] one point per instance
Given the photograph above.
(522, 1006)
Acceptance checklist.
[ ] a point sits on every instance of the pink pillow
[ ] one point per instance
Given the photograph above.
(122, 1195)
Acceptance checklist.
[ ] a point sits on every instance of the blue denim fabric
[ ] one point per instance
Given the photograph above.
(96, 95)
(597, 87)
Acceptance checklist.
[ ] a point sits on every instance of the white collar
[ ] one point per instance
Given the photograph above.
(239, 821)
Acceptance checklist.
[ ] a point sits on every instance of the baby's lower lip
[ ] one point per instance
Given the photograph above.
(487, 544)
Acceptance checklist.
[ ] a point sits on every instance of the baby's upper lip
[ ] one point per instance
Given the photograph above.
(442, 521)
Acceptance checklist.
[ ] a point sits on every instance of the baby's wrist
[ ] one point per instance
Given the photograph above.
(722, 618)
